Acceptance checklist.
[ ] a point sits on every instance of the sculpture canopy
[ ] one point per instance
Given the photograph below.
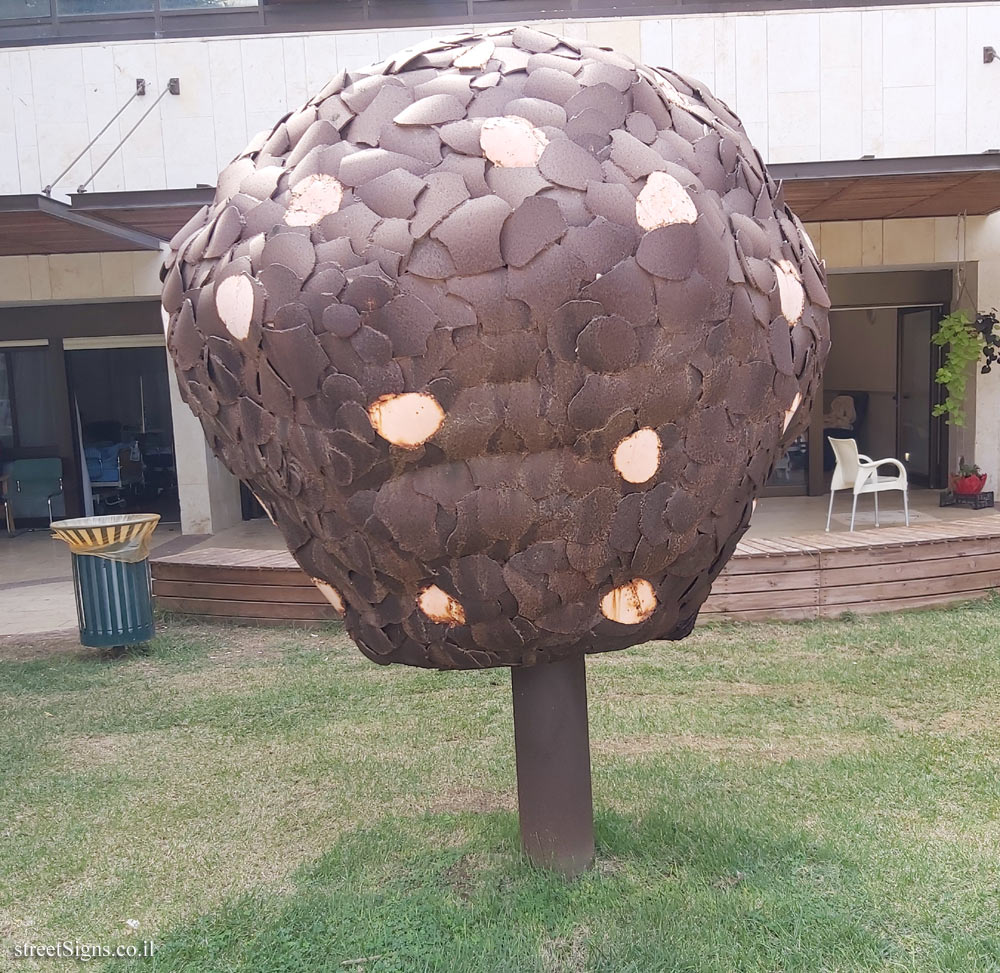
(505, 334)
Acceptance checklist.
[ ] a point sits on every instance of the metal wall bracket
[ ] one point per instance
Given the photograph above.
(140, 90)
(173, 88)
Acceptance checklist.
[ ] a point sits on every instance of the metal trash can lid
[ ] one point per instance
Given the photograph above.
(120, 537)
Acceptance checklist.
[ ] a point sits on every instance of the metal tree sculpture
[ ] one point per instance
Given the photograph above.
(505, 334)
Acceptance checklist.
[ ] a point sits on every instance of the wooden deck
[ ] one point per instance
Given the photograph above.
(822, 575)
(266, 586)
(815, 575)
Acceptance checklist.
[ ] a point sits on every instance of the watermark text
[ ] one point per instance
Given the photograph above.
(78, 950)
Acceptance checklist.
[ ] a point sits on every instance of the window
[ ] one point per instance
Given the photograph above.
(191, 4)
(68, 20)
(6, 404)
(72, 8)
(27, 413)
(97, 8)
(23, 9)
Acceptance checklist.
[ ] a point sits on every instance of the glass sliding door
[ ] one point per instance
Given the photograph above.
(919, 436)
(790, 476)
(126, 429)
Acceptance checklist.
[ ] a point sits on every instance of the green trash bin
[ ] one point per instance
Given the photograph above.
(114, 602)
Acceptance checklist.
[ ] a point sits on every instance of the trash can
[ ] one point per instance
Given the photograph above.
(114, 600)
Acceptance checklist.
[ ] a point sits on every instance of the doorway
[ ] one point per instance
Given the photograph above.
(883, 362)
(879, 389)
(120, 399)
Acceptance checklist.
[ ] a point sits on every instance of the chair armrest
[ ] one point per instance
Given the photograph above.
(865, 459)
(888, 461)
(867, 470)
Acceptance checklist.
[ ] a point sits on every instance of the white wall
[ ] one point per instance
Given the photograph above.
(80, 276)
(209, 493)
(831, 84)
(984, 238)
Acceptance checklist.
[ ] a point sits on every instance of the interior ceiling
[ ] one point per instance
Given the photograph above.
(34, 224)
(868, 189)
(37, 231)
(161, 221)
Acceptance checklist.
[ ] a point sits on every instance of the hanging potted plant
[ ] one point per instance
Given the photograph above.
(968, 481)
(967, 340)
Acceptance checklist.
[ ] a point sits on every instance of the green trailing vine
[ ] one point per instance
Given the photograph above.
(966, 340)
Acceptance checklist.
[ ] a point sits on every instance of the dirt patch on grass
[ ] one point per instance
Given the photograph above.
(96, 751)
(719, 747)
(232, 642)
(721, 687)
(982, 716)
(151, 749)
(726, 882)
(48, 645)
(636, 694)
(733, 640)
(460, 878)
(224, 679)
(566, 954)
(609, 865)
(475, 800)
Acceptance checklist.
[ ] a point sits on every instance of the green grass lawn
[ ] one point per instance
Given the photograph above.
(809, 797)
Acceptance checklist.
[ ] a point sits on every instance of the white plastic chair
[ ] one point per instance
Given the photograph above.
(859, 473)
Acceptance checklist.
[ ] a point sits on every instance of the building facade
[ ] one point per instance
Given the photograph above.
(882, 119)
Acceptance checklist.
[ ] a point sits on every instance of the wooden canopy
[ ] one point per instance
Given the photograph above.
(35, 224)
(884, 189)
(160, 212)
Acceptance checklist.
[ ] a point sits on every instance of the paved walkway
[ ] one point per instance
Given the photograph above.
(36, 586)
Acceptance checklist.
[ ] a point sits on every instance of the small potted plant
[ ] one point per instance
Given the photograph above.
(969, 480)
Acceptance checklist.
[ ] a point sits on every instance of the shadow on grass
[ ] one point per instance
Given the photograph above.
(452, 892)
